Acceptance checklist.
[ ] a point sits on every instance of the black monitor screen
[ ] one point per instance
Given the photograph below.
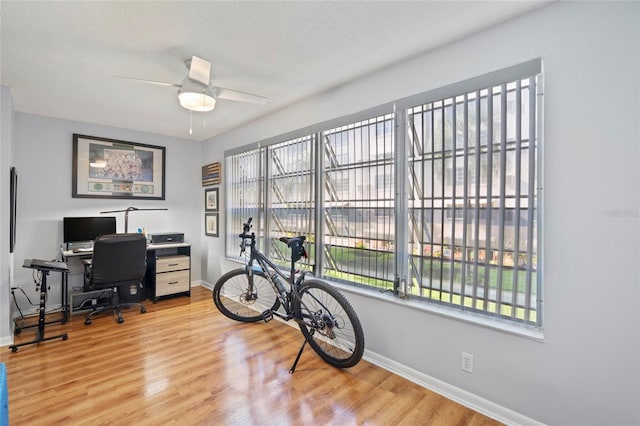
(87, 228)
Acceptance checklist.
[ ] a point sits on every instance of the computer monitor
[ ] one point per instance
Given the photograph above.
(77, 229)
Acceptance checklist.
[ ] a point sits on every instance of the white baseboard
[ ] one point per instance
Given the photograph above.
(205, 284)
(468, 399)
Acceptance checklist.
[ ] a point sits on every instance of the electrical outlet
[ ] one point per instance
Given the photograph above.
(466, 362)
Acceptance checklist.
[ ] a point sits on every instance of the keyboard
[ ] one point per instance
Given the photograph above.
(83, 250)
(49, 265)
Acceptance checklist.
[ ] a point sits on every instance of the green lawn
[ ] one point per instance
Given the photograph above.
(348, 259)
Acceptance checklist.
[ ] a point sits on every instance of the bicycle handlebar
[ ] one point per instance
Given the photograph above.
(246, 227)
(296, 244)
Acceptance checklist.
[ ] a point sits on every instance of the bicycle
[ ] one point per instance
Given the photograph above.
(257, 291)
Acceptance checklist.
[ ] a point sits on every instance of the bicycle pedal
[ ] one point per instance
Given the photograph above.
(267, 315)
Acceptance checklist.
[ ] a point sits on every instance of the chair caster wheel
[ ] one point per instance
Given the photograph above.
(65, 337)
(120, 320)
(87, 321)
(14, 349)
(143, 310)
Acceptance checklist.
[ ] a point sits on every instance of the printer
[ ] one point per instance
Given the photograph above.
(166, 238)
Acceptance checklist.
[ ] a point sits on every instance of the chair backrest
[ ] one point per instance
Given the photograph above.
(118, 259)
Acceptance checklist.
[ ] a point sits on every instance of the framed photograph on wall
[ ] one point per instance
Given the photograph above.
(109, 168)
(211, 199)
(211, 224)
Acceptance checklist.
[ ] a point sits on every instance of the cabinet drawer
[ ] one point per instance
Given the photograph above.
(172, 263)
(172, 282)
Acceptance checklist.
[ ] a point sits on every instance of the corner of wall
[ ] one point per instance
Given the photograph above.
(6, 258)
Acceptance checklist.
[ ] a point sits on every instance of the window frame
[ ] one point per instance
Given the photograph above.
(399, 109)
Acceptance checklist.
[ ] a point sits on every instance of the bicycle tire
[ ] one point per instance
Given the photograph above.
(337, 335)
(230, 296)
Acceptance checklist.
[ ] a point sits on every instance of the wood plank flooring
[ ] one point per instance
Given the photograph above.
(185, 363)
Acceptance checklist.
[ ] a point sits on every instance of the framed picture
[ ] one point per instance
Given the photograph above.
(109, 168)
(13, 204)
(211, 200)
(211, 224)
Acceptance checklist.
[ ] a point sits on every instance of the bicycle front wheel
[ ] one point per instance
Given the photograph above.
(329, 323)
(233, 296)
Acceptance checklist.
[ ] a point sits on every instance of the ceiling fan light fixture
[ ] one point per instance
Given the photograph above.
(197, 101)
(196, 97)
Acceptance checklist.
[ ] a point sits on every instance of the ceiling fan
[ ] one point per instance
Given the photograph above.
(197, 93)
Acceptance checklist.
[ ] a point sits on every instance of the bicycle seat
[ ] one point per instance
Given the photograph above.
(294, 241)
(297, 249)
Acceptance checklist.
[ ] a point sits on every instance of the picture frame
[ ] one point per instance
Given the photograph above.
(13, 206)
(211, 225)
(111, 168)
(211, 200)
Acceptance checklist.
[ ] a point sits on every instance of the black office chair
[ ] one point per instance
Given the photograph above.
(119, 263)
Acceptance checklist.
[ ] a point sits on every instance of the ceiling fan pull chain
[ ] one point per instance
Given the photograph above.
(190, 122)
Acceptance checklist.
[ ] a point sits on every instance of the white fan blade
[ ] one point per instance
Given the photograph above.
(200, 70)
(158, 83)
(234, 95)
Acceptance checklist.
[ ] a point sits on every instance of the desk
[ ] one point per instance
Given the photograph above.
(163, 278)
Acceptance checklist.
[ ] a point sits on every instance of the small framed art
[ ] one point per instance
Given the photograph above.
(211, 199)
(211, 174)
(211, 224)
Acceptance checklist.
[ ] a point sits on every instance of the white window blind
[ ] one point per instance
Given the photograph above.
(244, 195)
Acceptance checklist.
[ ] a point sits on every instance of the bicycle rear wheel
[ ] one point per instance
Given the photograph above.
(329, 323)
(232, 296)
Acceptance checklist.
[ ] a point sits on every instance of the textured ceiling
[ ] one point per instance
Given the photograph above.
(59, 58)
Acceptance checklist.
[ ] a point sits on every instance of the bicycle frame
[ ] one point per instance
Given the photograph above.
(268, 268)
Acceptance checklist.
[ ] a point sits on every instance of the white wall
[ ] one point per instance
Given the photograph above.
(586, 370)
(6, 258)
(43, 159)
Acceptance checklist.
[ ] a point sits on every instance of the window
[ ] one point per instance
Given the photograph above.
(291, 195)
(472, 239)
(244, 190)
(466, 156)
(359, 204)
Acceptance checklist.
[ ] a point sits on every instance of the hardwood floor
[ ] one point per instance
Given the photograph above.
(185, 363)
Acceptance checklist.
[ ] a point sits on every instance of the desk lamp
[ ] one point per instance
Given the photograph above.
(126, 215)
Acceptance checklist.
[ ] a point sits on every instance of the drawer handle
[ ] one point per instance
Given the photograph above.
(172, 264)
(173, 282)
